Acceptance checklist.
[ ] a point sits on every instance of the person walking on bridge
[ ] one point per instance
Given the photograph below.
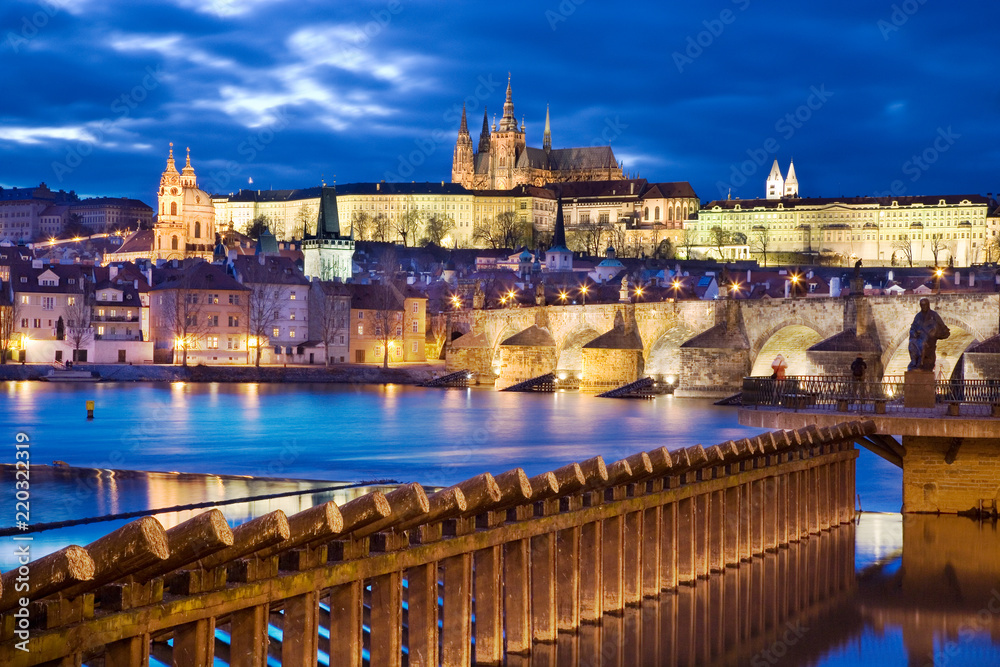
(858, 368)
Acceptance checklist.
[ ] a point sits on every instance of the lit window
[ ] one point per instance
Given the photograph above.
(212, 342)
(291, 296)
(276, 332)
(291, 333)
(415, 325)
(361, 330)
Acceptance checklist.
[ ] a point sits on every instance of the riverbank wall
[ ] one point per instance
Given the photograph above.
(346, 374)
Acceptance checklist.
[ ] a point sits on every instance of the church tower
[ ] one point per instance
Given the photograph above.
(462, 165)
(547, 137)
(506, 145)
(484, 135)
(791, 182)
(185, 221)
(775, 183)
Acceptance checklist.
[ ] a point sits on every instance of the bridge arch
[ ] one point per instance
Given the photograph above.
(791, 339)
(663, 355)
(896, 356)
(571, 349)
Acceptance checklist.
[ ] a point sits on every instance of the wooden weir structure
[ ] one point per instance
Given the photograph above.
(476, 573)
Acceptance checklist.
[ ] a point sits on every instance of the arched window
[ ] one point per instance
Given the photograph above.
(173, 208)
(656, 214)
(163, 208)
(159, 243)
(645, 214)
(173, 243)
(197, 229)
(670, 213)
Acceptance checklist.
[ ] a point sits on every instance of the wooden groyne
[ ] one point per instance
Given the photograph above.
(490, 566)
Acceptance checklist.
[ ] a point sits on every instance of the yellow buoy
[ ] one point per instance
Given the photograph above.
(90, 409)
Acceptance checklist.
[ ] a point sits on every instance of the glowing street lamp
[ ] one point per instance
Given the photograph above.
(638, 293)
(795, 284)
(510, 297)
(456, 301)
(938, 274)
(563, 295)
(583, 292)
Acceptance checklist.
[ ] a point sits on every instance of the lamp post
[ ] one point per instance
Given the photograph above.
(563, 295)
(583, 292)
(938, 273)
(795, 284)
(638, 293)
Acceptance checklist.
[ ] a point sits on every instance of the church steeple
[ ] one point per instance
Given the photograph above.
(791, 182)
(559, 234)
(188, 179)
(462, 161)
(547, 137)
(463, 129)
(508, 123)
(484, 135)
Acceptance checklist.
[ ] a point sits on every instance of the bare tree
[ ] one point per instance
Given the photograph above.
(79, 329)
(937, 245)
(386, 304)
(264, 302)
(259, 225)
(504, 230)
(688, 240)
(437, 228)
(904, 246)
(408, 225)
(305, 221)
(182, 316)
(719, 238)
(381, 229)
(9, 313)
(361, 226)
(329, 313)
(760, 241)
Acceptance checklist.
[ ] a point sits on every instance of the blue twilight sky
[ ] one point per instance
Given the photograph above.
(289, 91)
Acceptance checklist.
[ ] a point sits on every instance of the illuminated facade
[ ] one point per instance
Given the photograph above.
(185, 221)
(504, 160)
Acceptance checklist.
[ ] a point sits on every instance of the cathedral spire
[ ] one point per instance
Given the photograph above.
(187, 174)
(559, 234)
(508, 123)
(484, 136)
(463, 130)
(547, 137)
(170, 160)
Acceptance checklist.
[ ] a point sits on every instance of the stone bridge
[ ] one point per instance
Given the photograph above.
(706, 347)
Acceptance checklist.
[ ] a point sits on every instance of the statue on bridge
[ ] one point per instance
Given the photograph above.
(927, 329)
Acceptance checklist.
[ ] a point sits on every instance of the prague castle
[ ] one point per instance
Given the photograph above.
(504, 160)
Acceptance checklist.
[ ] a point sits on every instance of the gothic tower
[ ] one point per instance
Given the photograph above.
(791, 182)
(462, 165)
(484, 135)
(506, 145)
(547, 137)
(775, 183)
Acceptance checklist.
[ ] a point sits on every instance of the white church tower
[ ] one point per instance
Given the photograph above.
(791, 182)
(775, 182)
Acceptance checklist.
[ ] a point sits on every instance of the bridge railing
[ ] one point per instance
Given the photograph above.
(847, 394)
(489, 565)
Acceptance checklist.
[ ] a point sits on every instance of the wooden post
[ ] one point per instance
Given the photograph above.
(733, 518)
(516, 597)
(386, 620)
(612, 573)
(746, 521)
(568, 578)
(543, 588)
(300, 634)
(652, 520)
(248, 638)
(131, 652)
(346, 617)
(716, 531)
(591, 588)
(422, 599)
(194, 644)
(489, 630)
(769, 508)
(456, 633)
(46, 575)
(757, 517)
(685, 544)
(668, 547)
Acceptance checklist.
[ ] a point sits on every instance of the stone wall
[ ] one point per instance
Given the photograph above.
(605, 369)
(518, 363)
(930, 484)
(479, 360)
(712, 371)
(982, 366)
(839, 363)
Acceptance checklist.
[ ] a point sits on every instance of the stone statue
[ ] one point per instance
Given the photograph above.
(857, 269)
(927, 329)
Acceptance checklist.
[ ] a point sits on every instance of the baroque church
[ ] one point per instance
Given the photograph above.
(504, 160)
(185, 221)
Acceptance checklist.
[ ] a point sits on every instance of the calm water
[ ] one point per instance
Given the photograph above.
(920, 593)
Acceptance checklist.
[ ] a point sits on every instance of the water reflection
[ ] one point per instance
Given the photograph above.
(934, 601)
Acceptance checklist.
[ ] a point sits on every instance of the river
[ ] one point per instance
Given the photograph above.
(221, 442)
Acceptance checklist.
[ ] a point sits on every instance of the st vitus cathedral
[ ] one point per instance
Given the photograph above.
(504, 160)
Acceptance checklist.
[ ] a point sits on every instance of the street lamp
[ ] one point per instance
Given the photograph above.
(638, 293)
(583, 292)
(510, 297)
(563, 296)
(938, 273)
(456, 301)
(795, 284)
